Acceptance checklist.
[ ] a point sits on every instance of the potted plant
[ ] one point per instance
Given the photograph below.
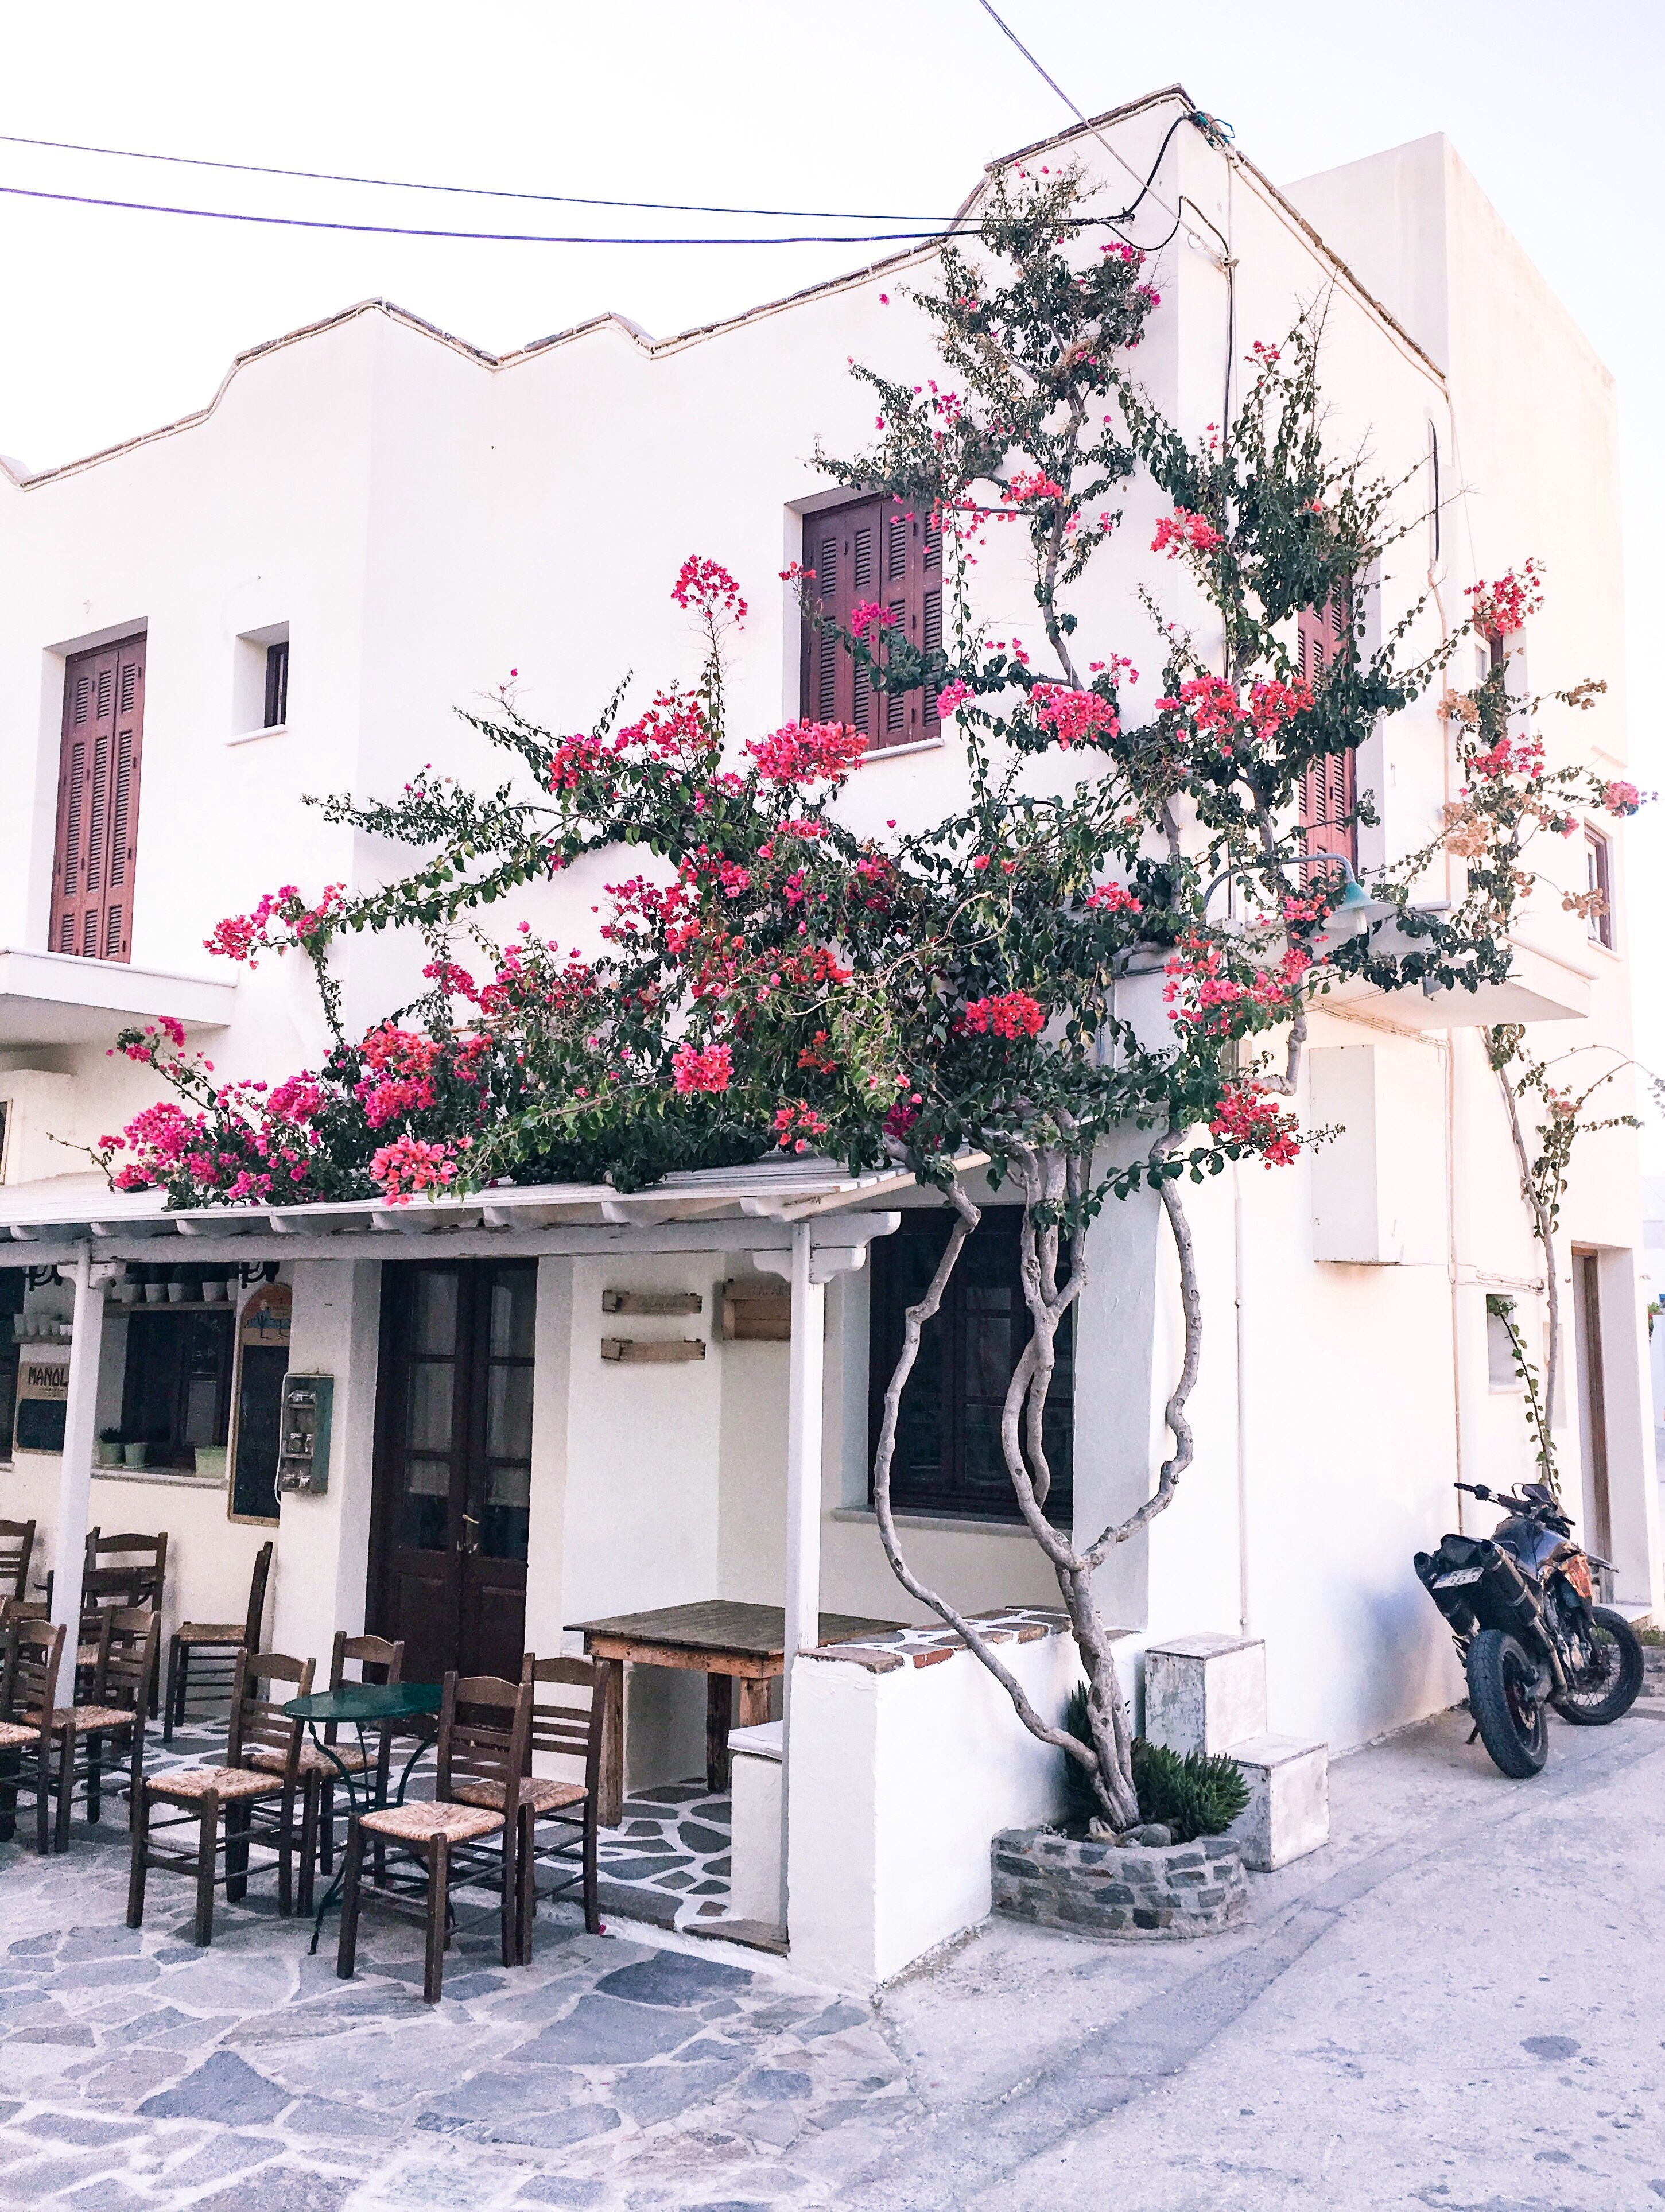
(108, 1450)
(135, 1455)
(211, 1460)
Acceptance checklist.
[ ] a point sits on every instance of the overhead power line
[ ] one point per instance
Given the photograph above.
(502, 237)
(468, 192)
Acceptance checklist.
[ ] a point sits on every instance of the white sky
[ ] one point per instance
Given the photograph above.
(114, 322)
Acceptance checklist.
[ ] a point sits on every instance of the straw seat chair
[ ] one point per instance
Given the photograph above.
(28, 1702)
(210, 1648)
(129, 1638)
(558, 1820)
(484, 1747)
(253, 1795)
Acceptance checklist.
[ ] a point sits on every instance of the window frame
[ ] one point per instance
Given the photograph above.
(1598, 866)
(145, 1325)
(276, 708)
(951, 1496)
(831, 688)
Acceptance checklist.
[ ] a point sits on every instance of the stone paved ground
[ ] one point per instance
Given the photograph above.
(1456, 2005)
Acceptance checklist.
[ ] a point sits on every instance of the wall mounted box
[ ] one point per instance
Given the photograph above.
(755, 1313)
(303, 1464)
(1374, 1202)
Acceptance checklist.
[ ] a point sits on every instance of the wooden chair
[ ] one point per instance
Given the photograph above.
(558, 1819)
(377, 1661)
(17, 1549)
(129, 1639)
(484, 1747)
(253, 1795)
(121, 1573)
(28, 1702)
(212, 1647)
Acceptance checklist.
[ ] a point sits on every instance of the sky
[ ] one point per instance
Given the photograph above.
(112, 322)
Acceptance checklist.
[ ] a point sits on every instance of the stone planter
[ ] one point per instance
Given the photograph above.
(1102, 1889)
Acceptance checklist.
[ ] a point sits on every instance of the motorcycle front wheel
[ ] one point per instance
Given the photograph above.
(1503, 1696)
(1607, 1689)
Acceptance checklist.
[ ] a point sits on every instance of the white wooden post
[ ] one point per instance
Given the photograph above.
(804, 1409)
(75, 1481)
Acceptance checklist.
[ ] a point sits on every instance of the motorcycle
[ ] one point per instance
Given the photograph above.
(1521, 1607)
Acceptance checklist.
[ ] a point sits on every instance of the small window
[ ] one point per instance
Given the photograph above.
(948, 1457)
(1598, 869)
(1501, 1372)
(176, 1390)
(278, 685)
(259, 684)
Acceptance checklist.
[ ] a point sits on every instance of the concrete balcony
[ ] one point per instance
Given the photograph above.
(1543, 987)
(59, 998)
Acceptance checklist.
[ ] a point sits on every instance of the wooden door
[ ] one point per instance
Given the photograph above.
(454, 1465)
(98, 802)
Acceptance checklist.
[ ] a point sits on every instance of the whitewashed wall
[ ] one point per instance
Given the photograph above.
(426, 520)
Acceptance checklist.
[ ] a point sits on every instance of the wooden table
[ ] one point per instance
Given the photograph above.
(727, 1642)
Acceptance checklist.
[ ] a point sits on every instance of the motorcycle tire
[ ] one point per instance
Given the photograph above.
(1503, 1699)
(1593, 1708)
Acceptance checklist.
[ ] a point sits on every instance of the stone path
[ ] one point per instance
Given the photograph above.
(136, 2070)
(1455, 2006)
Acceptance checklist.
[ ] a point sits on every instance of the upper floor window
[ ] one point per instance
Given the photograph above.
(948, 1455)
(1329, 787)
(871, 551)
(98, 801)
(278, 685)
(1598, 872)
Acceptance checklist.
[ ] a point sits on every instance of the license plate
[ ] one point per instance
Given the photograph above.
(1464, 1575)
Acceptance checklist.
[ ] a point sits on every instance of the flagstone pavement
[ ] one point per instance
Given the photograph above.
(1455, 2006)
(136, 2070)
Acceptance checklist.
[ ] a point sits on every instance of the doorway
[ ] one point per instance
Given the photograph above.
(1592, 1401)
(452, 1507)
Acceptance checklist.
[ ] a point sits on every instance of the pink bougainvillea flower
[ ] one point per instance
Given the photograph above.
(1247, 1116)
(1184, 532)
(1114, 898)
(808, 752)
(1010, 1014)
(867, 614)
(694, 1069)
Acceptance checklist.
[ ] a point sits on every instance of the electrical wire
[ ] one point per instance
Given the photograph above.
(1211, 126)
(516, 237)
(470, 192)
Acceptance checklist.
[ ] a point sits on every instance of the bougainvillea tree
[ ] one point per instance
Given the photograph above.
(770, 983)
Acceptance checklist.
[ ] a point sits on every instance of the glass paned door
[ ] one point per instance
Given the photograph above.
(454, 1492)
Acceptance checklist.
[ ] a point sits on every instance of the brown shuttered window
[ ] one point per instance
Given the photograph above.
(98, 802)
(1329, 786)
(871, 549)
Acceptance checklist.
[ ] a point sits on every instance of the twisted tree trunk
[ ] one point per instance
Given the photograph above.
(1053, 1178)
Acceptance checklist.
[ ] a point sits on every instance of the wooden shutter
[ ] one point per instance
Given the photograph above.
(1329, 786)
(98, 802)
(870, 550)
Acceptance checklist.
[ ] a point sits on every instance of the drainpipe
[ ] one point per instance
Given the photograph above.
(803, 1591)
(75, 1479)
(1243, 1615)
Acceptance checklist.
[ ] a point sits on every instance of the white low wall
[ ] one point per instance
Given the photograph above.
(902, 1765)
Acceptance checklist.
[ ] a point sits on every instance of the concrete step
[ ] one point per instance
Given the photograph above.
(1205, 1693)
(1288, 1812)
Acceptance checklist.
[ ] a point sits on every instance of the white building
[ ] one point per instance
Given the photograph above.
(373, 522)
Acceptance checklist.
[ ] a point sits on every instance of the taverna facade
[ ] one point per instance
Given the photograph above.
(373, 522)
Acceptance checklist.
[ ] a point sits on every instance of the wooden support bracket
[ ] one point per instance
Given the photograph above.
(663, 1352)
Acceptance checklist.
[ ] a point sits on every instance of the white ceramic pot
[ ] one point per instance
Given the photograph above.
(175, 1293)
(156, 1294)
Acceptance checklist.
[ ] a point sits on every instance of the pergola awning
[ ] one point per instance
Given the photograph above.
(54, 1220)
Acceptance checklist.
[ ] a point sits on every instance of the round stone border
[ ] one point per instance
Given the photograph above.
(1168, 1893)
